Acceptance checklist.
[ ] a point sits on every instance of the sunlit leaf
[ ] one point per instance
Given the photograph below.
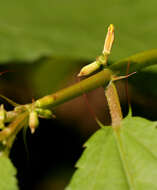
(121, 159)
(7, 174)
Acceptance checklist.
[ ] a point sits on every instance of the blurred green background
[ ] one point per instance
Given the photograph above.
(43, 44)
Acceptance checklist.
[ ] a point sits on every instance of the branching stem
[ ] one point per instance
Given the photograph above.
(18, 118)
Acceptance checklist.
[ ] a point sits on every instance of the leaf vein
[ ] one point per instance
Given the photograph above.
(123, 160)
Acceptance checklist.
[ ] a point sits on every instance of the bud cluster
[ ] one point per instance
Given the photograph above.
(102, 59)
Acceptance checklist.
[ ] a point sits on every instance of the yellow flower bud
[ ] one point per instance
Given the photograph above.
(109, 40)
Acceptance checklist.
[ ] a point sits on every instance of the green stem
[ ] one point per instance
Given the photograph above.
(10, 116)
(14, 127)
(114, 105)
(137, 62)
(19, 117)
(100, 79)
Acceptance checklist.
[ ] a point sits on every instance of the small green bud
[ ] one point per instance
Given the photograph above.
(88, 69)
(2, 116)
(33, 121)
(45, 113)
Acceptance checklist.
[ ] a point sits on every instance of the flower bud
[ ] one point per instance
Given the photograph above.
(88, 69)
(33, 121)
(45, 113)
(2, 116)
(101, 60)
(109, 40)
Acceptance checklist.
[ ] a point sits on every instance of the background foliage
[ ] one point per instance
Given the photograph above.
(72, 30)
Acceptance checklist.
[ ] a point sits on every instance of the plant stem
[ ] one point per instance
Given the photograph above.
(114, 105)
(137, 62)
(19, 119)
(15, 126)
(100, 79)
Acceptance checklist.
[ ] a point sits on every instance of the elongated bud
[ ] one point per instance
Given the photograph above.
(101, 60)
(109, 40)
(2, 116)
(33, 121)
(88, 69)
(45, 113)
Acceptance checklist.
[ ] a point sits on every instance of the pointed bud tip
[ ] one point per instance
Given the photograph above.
(32, 130)
(81, 74)
(111, 28)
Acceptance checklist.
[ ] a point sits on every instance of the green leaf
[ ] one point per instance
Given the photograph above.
(7, 174)
(30, 29)
(121, 159)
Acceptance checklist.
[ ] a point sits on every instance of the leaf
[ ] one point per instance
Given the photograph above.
(31, 29)
(121, 159)
(7, 174)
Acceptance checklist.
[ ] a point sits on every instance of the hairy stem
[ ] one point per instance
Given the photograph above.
(114, 105)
